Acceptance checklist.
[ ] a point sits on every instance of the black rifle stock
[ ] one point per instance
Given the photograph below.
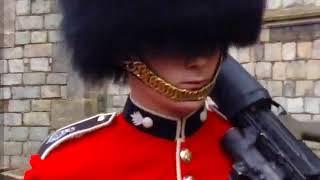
(261, 146)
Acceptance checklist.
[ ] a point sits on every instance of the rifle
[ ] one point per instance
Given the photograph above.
(260, 145)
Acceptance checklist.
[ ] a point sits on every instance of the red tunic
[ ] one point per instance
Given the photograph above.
(123, 151)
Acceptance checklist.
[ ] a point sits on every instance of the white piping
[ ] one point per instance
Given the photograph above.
(78, 122)
(212, 107)
(183, 127)
(54, 145)
(178, 149)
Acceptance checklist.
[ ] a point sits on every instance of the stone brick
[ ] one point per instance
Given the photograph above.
(316, 118)
(4, 66)
(18, 161)
(61, 112)
(6, 134)
(273, 4)
(51, 91)
(54, 4)
(12, 53)
(124, 90)
(3, 108)
(31, 147)
(304, 32)
(308, 2)
(275, 88)
(295, 105)
(272, 51)
(61, 58)
(317, 88)
(55, 36)
(304, 50)
(29, 22)
(296, 70)
(19, 106)
(39, 36)
(304, 88)
(313, 69)
(257, 52)
(36, 119)
(57, 78)
(301, 117)
(41, 105)
(279, 71)
(316, 49)
(52, 21)
(289, 88)
(12, 119)
(12, 148)
(25, 92)
(233, 51)
(76, 87)
(249, 67)
(34, 78)
(40, 6)
(113, 89)
(316, 29)
(16, 65)
(23, 7)
(244, 55)
(11, 79)
(5, 160)
(313, 145)
(38, 50)
(289, 51)
(8, 16)
(39, 64)
(265, 35)
(263, 70)
(312, 105)
(38, 133)
(16, 133)
(5, 93)
(290, 3)
(283, 34)
(119, 101)
(64, 92)
(282, 101)
(8, 40)
(22, 37)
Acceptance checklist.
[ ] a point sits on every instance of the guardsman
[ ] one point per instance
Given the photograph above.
(169, 53)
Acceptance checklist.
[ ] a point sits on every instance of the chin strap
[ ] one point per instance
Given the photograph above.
(148, 77)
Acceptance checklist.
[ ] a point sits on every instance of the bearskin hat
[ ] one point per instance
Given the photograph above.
(104, 33)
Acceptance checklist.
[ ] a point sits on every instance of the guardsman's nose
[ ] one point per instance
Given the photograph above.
(196, 62)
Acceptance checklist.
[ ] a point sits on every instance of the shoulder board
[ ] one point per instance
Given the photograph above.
(213, 107)
(73, 131)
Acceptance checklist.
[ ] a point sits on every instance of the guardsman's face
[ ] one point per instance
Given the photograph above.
(180, 71)
(184, 72)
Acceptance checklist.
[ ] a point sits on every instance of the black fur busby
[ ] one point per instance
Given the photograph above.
(104, 33)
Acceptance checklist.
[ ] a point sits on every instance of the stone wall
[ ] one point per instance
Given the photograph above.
(40, 92)
(280, 4)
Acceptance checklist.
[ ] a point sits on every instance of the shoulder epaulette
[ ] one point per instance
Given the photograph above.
(73, 131)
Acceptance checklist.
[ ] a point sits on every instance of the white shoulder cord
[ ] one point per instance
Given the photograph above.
(180, 138)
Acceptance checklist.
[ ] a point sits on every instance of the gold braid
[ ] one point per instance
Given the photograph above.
(143, 73)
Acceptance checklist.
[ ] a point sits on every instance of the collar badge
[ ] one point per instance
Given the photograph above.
(138, 120)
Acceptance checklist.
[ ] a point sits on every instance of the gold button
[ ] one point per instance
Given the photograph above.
(188, 178)
(186, 155)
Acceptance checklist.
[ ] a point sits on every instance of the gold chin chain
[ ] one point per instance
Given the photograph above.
(142, 72)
